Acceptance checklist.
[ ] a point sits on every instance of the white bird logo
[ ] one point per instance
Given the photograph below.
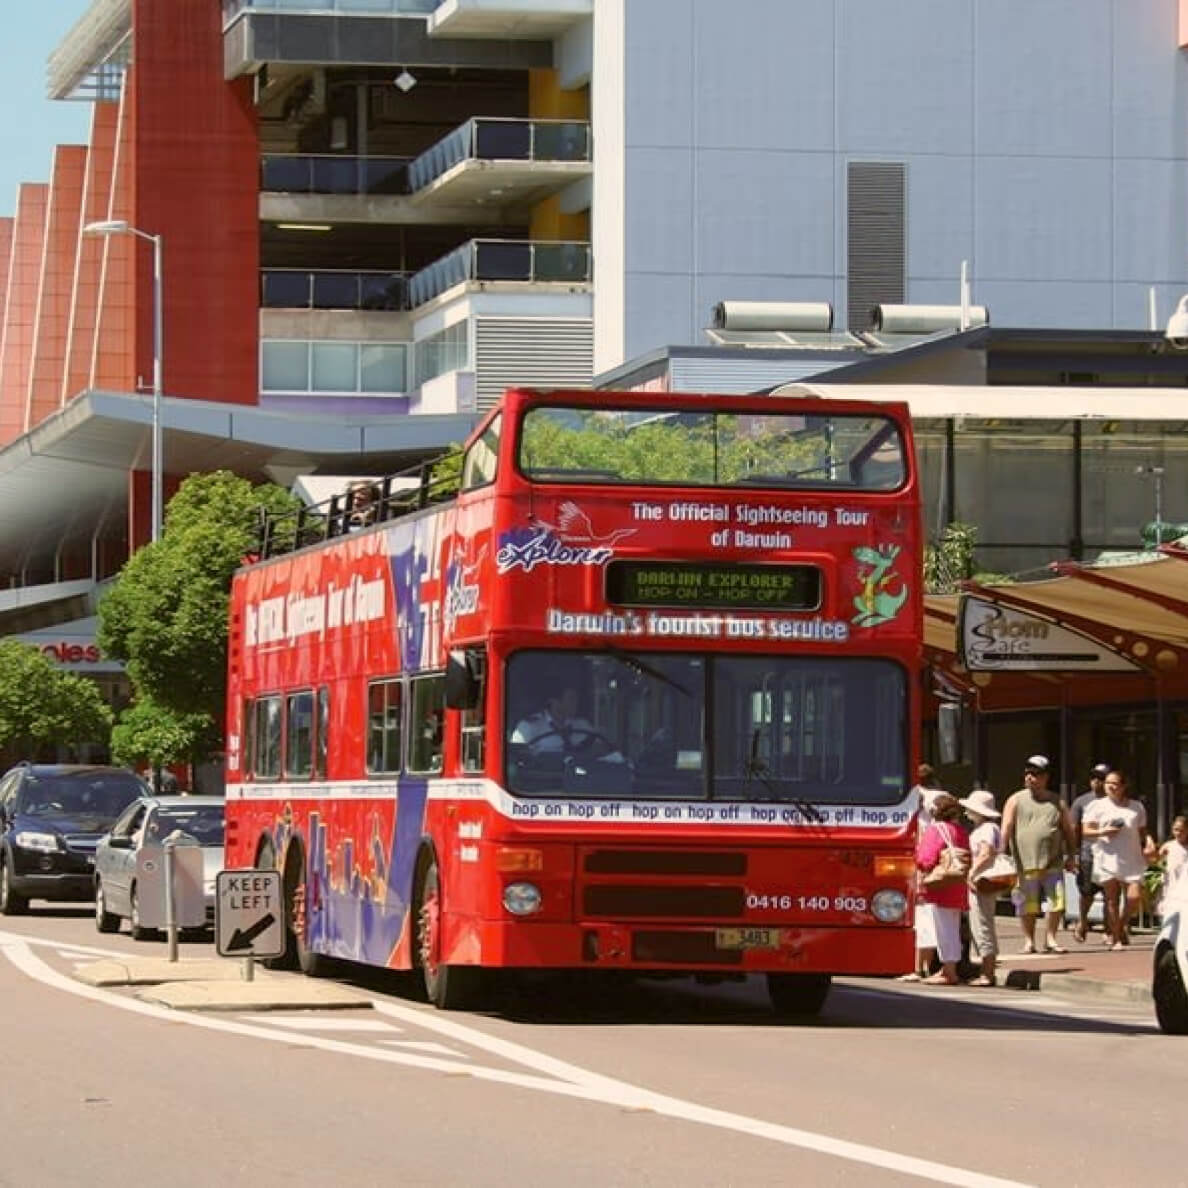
(573, 526)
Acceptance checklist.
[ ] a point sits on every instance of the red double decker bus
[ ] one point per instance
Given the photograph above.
(640, 695)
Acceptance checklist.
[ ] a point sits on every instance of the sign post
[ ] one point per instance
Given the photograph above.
(249, 916)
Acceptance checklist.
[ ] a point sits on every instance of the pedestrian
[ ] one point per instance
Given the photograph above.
(985, 844)
(1087, 889)
(1174, 855)
(926, 789)
(939, 905)
(1122, 846)
(1037, 832)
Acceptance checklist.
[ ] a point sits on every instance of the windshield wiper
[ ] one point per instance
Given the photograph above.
(757, 768)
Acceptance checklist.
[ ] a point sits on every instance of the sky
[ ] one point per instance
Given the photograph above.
(34, 124)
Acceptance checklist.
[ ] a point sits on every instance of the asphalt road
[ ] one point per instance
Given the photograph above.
(652, 1083)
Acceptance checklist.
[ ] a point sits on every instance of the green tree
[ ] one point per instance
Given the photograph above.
(165, 616)
(152, 735)
(42, 706)
(949, 560)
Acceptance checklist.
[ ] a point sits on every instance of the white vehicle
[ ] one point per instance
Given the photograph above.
(135, 844)
(1170, 975)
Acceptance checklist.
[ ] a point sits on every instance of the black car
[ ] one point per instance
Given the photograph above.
(51, 818)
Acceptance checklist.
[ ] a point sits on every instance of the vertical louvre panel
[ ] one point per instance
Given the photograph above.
(532, 353)
(876, 252)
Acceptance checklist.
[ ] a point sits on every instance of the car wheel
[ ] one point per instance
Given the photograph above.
(447, 987)
(798, 994)
(11, 904)
(139, 931)
(1171, 999)
(105, 921)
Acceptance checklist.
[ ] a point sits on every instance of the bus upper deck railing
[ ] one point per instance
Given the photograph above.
(364, 504)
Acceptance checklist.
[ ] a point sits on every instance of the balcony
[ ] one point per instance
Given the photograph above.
(484, 261)
(305, 173)
(232, 8)
(294, 288)
(508, 161)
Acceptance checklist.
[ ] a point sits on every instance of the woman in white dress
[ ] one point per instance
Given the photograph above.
(1122, 845)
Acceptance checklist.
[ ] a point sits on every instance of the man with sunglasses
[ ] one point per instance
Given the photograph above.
(1037, 831)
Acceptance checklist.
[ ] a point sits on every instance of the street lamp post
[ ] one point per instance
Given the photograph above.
(1155, 473)
(121, 227)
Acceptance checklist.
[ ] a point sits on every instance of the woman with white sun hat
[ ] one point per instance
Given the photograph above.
(985, 844)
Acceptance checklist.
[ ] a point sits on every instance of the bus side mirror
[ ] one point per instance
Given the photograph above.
(948, 730)
(461, 684)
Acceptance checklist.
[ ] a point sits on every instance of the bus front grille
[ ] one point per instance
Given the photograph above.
(681, 948)
(623, 901)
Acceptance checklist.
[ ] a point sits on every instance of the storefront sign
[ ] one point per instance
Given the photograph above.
(995, 638)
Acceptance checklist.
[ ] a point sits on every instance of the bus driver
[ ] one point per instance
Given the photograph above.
(556, 727)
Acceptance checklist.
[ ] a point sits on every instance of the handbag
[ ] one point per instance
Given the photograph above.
(951, 867)
(1000, 875)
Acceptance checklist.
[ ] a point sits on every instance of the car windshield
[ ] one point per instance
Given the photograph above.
(685, 726)
(712, 449)
(204, 823)
(87, 793)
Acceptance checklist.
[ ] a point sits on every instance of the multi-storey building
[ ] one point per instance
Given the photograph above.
(374, 214)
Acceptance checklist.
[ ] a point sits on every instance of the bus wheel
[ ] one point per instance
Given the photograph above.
(798, 994)
(266, 860)
(448, 987)
(313, 965)
(1171, 1000)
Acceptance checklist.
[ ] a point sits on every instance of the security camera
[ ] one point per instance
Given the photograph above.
(1177, 326)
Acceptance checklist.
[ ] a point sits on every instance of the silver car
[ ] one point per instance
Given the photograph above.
(135, 846)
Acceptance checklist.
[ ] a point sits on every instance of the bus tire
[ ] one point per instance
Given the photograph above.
(447, 987)
(798, 994)
(311, 963)
(1171, 999)
(266, 860)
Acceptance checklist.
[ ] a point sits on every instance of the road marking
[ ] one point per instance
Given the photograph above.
(584, 1085)
(314, 1022)
(424, 1046)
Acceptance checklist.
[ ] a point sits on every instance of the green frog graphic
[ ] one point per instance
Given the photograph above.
(883, 591)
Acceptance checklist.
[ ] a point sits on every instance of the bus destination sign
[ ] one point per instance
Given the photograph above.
(714, 585)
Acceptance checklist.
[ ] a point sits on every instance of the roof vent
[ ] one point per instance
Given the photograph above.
(773, 315)
(925, 319)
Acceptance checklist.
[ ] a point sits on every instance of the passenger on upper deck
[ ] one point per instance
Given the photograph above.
(362, 505)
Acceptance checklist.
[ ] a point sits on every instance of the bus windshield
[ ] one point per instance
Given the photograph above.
(692, 726)
(694, 448)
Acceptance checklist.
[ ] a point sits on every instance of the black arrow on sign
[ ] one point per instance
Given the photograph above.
(243, 939)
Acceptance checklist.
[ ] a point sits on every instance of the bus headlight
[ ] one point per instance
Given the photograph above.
(522, 899)
(889, 906)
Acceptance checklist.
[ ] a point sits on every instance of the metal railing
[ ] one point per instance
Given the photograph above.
(534, 261)
(295, 288)
(305, 173)
(484, 139)
(232, 8)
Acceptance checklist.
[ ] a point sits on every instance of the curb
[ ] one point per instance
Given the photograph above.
(1078, 986)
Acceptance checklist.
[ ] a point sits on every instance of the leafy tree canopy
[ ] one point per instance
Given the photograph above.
(149, 734)
(43, 706)
(950, 560)
(165, 616)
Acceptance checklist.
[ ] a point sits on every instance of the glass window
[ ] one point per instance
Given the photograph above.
(382, 368)
(383, 726)
(335, 366)
(785, 729)
(474, 721)
(299, 735)
(322, 734)
(84, 793)
(284, 366)
(478, 467)
(426, 724)
(839, 452)
(204, 823)
(267, 764)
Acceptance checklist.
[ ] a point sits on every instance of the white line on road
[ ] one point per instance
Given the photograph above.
(424, 1046)
(315, 1022)
(583, 1085)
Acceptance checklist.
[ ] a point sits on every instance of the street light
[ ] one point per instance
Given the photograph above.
(122, 227)
(1156, 474)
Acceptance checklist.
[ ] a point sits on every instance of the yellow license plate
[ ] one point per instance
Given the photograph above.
(747, 938)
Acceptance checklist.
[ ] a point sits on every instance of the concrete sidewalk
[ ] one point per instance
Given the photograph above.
(1088, 970)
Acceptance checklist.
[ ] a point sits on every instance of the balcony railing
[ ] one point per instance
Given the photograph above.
(482, 139)
(300, 173)
(502, 260)
(232, 8)
(293, 288)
